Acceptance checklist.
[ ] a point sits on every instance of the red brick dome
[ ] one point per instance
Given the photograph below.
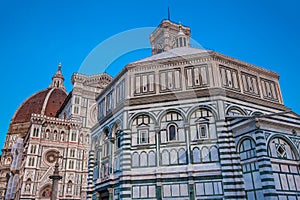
(45, 102)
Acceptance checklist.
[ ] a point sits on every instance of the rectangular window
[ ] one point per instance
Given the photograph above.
(196, 76)
(209, 188)
(120, 92)
(144, 83)
(101, 111)
(202, 131)
(76, 110)
(71, 164)
(77, 100)
(35, 132)
(172, 132)
(118, 142)
(105, 149)
(269, 89)
(229, 78)
(250, 84)
(72, 153)
(175, 190)
(170, 80)
(143, 191)
(189, 77)
(33, 149)
(73, 136)
(143, 136)
(109, 102)
(151, 82)
(31, 162)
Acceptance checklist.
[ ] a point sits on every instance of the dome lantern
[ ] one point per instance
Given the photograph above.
(58, 79)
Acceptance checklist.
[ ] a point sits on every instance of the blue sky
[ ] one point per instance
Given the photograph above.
(36, 35)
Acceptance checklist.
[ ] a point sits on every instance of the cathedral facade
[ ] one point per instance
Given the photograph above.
(51, 126)
(188, 123)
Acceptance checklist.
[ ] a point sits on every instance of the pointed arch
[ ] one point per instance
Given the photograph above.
(45, 191)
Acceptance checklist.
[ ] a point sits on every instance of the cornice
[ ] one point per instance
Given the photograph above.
(88, 80)
(42, 119)
(233, 61)
(199, 58)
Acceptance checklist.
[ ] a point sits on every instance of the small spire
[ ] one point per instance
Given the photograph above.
(58, 78)
(59, 66)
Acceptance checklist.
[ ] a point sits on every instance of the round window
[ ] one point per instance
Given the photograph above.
(51, 156)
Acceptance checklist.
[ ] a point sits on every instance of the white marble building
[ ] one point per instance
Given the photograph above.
(54, 124)
(189, 123)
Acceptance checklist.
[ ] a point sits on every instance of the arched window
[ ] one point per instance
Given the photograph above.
(173, 157)
(47, 134)
(196, 155)
(118, 140)
(172, 132)
(135, 159)
(235, 111)
(152, 158)
(202, 125)
(7, 162)
(28, 185)
(257, 113)
(143, 159)
(214, 154)
(87, 139)
(205, 154)
(55, 135)
(46, 192)
(182, 156)
(285, 165)
(69, 187)
(247, 149)
(165, 158)
(279, 148)
(141, 130)
(62, 136)
(80, 141)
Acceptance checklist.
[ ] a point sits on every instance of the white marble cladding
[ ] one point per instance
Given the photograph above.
(206, 70)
